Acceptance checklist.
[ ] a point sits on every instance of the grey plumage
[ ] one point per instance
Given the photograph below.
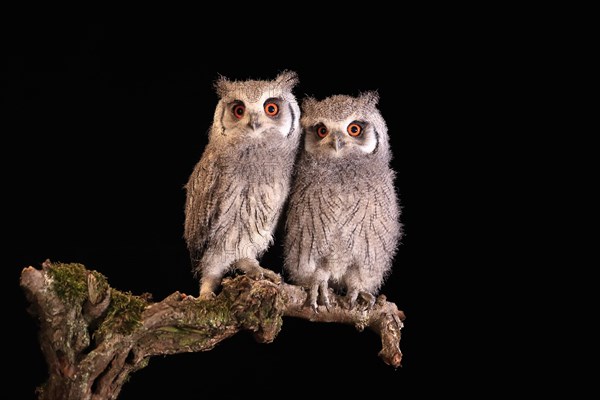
(342, 226)
(236, 191)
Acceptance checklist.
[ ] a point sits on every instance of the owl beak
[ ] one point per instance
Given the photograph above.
(253, 122)
(337, 143)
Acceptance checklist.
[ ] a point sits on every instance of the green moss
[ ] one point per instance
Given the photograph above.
(124, 313)
(69, 282)
(200, 322)
(208, 315)
(218, 316)
(194, 341)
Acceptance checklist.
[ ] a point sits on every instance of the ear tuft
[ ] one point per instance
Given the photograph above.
(222, 86)
(370, 98)
(287, 79)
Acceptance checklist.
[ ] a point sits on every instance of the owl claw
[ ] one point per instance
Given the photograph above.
(311, 299)
(315, 308)
(253, 269)
(207, 296)
(350, 300)
(187, 297)
(323, 294)
(353, 298)
(325, 301)
(312, 304)
(368, 299)
(318, 294)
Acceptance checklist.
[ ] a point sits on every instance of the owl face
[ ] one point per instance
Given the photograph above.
(256, 109)
(340, 126)
(241, 116)
(340, 138)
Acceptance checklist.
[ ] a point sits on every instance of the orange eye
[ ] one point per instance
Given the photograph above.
(239, 110)
(271, 109)
(322, 130)
(354, 129)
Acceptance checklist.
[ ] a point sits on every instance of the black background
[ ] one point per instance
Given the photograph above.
(104, 124)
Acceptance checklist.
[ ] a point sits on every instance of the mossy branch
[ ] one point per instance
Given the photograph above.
(94, 336)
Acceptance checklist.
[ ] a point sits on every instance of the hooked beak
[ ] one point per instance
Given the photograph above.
(253, 122)
(337, 143)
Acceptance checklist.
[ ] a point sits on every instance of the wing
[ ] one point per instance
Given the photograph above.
(200, 204)
(308, 228)
(374, 221)
(297, 234)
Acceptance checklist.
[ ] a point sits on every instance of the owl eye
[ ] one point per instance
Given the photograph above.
(271, 109)
(354, 129)
(239, 110)
(322, 130)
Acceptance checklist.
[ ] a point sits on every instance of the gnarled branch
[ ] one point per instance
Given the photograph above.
(94, 336)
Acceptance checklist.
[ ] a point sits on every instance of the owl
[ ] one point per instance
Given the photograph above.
(237, 190)
(342, 228)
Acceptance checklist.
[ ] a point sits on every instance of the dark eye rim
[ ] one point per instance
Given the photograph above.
(276, 102)
(236, 107)
(271, 103)
(318, 128)
(359, 125)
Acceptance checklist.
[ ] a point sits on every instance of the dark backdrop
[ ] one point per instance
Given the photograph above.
(104, 124)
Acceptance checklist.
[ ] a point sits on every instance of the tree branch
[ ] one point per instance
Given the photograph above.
(94, 336)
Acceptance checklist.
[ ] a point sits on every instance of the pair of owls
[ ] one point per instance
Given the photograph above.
(342, 223)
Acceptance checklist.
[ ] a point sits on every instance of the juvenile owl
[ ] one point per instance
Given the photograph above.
(342, 225)
(236, 191)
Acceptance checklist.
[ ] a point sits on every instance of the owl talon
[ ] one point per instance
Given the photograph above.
(253, 269)
(365, 299)
(349, 305)
(323, 294)
(207, 296)
(325, 301)
(187, 297)
(311, 299)
(312, 305)
(313, 302)
(350, 299)
(368, 299)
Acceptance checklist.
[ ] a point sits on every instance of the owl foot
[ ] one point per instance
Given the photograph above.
(315, 306)
(312, 305)
(367, 299)
(251, 268)
(209, 285)
(207, 296)
(354, 297)
(318, 293)
(187, 297)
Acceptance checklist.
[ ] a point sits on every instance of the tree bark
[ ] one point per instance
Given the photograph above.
(94, 336)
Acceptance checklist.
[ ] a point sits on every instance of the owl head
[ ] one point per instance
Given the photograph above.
(343, 126)
(256, 109)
